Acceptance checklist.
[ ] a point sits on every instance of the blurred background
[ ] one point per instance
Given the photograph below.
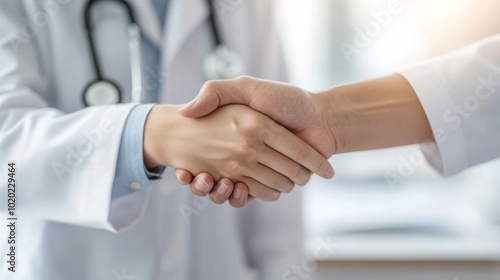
(387, 214)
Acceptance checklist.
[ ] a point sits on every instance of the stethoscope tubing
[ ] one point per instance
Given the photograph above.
(90, 37)
(213, 23)
(220, 65)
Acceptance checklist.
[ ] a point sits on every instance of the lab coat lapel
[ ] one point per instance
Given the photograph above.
(182, 19)
(148, 21)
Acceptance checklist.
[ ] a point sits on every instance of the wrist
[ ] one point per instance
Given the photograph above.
(333, 117)
(374, 114)
(159, 124)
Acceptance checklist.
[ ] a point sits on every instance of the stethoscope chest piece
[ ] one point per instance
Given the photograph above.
(223, 64)
(101, 92)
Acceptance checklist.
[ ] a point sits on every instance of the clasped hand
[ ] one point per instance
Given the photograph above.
(234, 144)
(380, 113)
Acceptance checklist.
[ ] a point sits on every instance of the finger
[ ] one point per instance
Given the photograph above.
(202, 184)
(183, 176)
(214, 94)
(260, 191)
(295, 148)
(268, 177)
(239, 197)
(222, 191)
(284, 165)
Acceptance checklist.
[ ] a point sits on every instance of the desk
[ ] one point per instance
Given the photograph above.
(407, 270)
(430, 229)
(407, 257)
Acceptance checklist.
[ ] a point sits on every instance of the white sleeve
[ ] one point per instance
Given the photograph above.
(65, 162)
(460, 93)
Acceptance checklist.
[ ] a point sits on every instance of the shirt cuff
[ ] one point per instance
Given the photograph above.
(131, 174)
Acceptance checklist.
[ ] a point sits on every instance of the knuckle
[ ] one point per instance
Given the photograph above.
(247, 149)
(233, 168)
(252, 125)
(266, 135)
(209, 86)
(301, 152)
(250, 83)
(244, 79)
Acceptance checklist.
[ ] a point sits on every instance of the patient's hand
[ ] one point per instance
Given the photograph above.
(234, 142)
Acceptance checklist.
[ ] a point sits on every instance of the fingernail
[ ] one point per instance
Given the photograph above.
(238, 193)
(202, 185)
(223, 188)
(329, 174)
(188, 105)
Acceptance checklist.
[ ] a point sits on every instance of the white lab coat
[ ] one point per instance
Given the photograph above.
(460, 93)
(66, 155)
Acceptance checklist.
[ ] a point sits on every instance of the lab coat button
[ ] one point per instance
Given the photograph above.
(136, 185)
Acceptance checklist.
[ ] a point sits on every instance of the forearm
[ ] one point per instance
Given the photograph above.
(374, 114)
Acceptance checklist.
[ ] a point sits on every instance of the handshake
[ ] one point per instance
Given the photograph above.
(247, 138)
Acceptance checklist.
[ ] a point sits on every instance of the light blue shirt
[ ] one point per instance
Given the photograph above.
(131, 174)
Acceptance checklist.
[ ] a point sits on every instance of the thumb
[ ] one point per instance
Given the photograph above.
(215, 94)
(202, 105)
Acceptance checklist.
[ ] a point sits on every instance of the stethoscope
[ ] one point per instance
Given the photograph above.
(222, 63)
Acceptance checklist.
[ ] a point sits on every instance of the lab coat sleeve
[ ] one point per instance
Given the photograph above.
(460, 94)
(65, 162)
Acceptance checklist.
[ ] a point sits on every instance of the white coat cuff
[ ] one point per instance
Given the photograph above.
(448, 153)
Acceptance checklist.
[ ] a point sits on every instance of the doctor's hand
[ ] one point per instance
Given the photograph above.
(234, 142)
